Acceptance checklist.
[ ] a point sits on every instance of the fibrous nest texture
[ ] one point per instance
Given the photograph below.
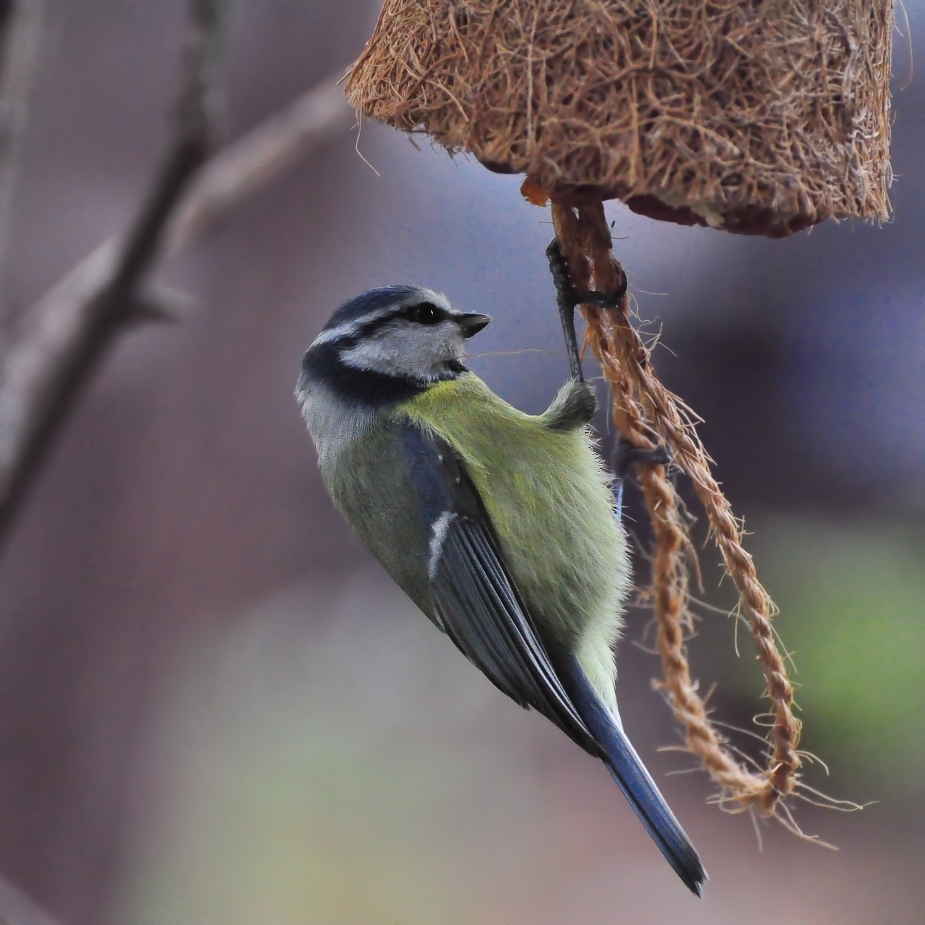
(756, 116)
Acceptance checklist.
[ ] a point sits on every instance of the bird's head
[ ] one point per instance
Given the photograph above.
(387, 344)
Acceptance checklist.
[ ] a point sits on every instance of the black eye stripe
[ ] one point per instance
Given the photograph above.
(425, 313)
(371, 327)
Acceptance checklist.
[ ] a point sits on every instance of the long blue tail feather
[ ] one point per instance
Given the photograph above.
(634, 780)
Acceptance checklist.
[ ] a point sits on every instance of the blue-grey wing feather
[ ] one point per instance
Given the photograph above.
(634, 780)
(475, 601)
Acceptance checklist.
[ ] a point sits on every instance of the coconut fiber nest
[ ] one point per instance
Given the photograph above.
(754, 117)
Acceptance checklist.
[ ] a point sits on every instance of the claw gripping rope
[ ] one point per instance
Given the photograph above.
(646, 414)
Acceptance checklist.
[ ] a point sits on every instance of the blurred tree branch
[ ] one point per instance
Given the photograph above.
(51, 334)
(21, 28)
(16, 908)
(266, 151)
(6, 7)
(48, 367)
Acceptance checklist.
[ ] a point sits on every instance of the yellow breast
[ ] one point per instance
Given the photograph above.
(548, 497)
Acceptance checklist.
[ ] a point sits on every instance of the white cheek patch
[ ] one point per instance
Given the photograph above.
(369, 354)
(407, 350)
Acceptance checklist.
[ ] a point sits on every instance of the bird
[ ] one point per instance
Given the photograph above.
(499, 525)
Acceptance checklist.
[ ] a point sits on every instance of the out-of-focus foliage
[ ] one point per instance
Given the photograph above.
(852, 599)
(320, 776)
(331, 760)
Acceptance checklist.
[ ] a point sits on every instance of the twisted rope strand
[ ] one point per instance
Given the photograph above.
(645, 413)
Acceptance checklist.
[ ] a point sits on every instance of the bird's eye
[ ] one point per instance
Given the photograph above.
(425, 313)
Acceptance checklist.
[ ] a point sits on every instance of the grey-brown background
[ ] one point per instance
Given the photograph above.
(214, 708)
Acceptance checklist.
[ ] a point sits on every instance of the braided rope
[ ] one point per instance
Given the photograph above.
(646, 414)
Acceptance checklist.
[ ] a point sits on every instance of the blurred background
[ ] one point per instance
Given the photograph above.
(214, 707)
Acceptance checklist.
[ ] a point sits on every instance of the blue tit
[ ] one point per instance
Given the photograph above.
(499, 525)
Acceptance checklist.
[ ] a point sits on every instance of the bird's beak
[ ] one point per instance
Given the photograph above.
(472, 322)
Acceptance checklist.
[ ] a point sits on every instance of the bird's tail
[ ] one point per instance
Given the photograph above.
(634, 780)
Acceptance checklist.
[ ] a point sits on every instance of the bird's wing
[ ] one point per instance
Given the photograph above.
(477, 604)
(475, 601)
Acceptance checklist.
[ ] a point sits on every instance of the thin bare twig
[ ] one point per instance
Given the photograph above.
(22, 40)
(265, 152)
(60, 318)
(55, 371)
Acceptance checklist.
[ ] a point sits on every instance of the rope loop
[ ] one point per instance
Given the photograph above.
(647, 414)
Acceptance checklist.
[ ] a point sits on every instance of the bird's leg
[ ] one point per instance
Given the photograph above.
(624, 455)
(567, 298)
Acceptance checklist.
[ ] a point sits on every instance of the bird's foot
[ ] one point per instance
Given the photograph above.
(626, 454)
(568, 297)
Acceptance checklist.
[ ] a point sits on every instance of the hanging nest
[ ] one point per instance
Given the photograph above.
(754, 117)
